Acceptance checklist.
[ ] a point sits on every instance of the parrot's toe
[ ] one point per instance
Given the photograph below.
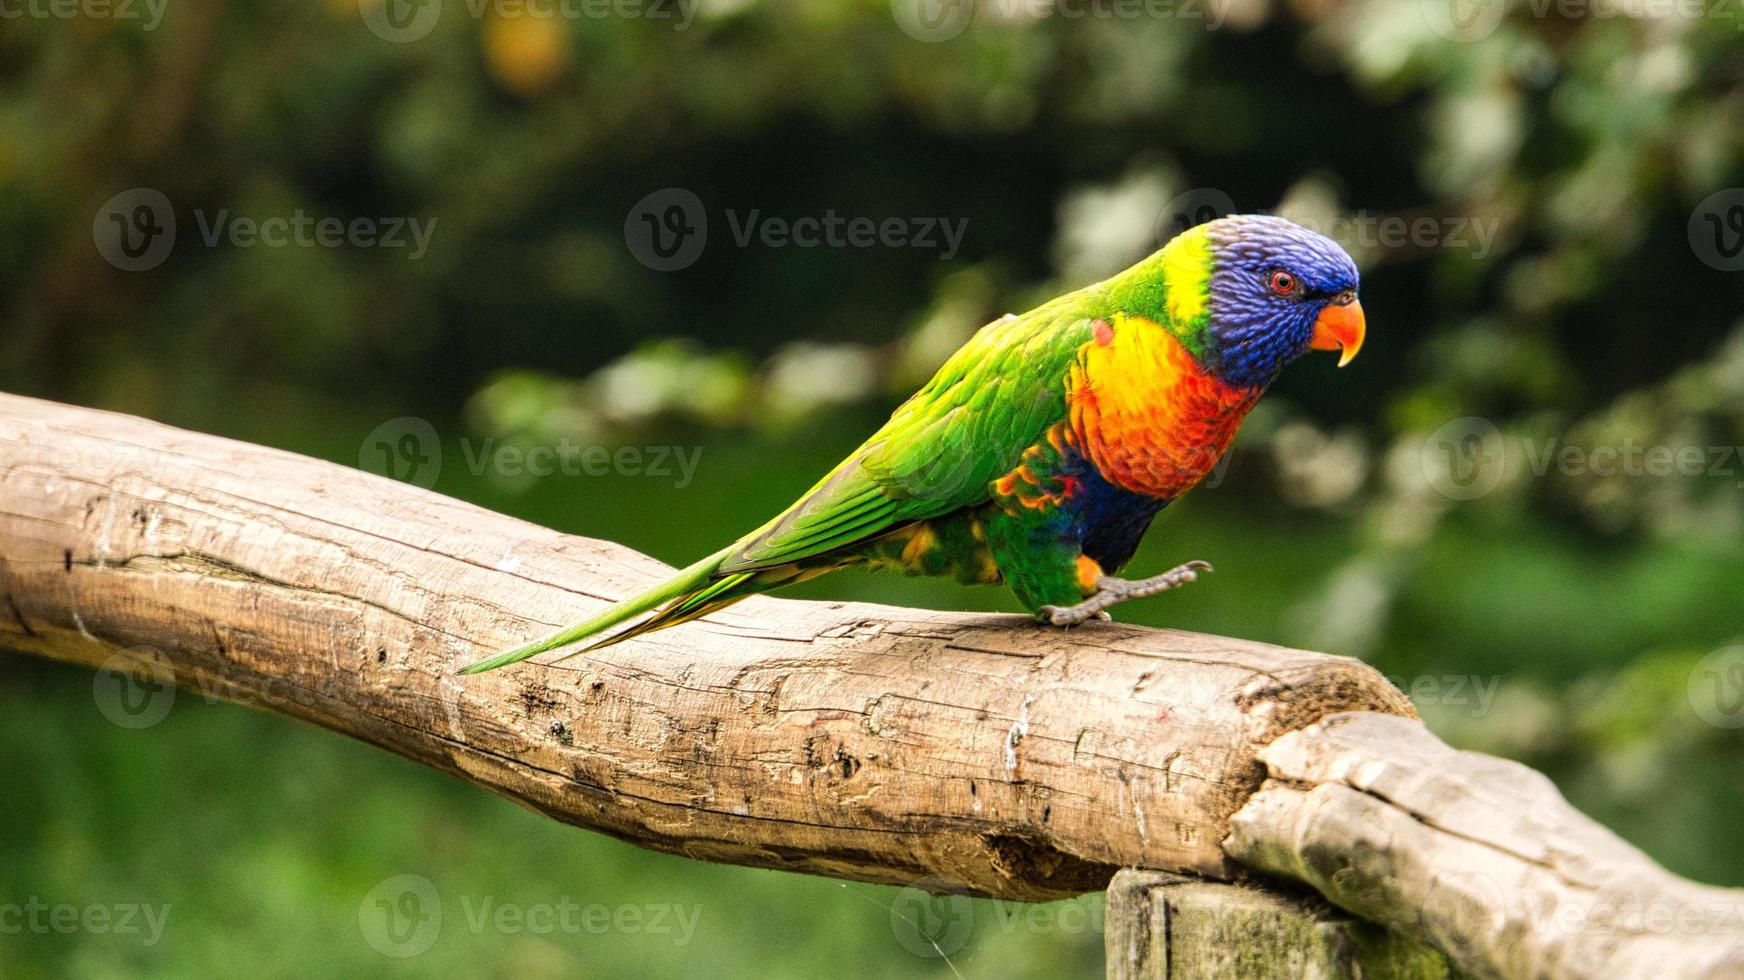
(1111, 590)
(1076, 615)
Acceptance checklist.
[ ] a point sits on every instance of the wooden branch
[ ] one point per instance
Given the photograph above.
(979, 752)
(1480, 856)
(972, 752)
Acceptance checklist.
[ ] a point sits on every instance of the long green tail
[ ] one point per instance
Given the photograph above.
(687, 582)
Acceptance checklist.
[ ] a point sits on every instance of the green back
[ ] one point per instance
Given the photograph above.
(943, 447)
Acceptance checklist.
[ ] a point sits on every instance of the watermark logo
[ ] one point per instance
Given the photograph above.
(932, 21)
(1361, 229)
(408, 449)
(569, 458)
(666, 230)
(303, 230)
(40, 918)
(1716, 230)
(1716, 688)
(134, 689)
(569, 917)
(1461, 907)
(932, 918)
(401, 21)
(402, 916)
(1470, 21)
(148, 12)
(1191, 209)
(1469, 458)
(404, 21)
(135, 230)
(1464, 459)
(1463, 21)
(1472, 693)
(404, 449)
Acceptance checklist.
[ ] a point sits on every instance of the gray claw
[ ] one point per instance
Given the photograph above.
(1111, 590)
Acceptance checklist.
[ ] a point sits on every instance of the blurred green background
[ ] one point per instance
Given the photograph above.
(1544, 199)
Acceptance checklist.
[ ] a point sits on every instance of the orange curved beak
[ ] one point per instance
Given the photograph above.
(1340, 327)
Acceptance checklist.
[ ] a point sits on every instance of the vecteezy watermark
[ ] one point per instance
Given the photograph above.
(1632, 459)
(402, 21)
(133, 688)
(1462, 232)
(1190, 209)
(303, 231)
(1465, 21)
(407, 449)
(1716, 688)
(1470, 692)
(403, 916)
(149, 13)
(831, 230)
(1359, 229)
(1664, 918)
(568, 458)
(1469, 458)
(1716, 230)
(569, 917)
(136, 230)
(934, 918)
(667, 230)
(941, 20)
(1461, 908)
(932, 20)
(1464, 459)
(1468, 21)
(37, 917)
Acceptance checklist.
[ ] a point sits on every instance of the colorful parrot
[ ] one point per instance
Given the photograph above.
(1040, 452)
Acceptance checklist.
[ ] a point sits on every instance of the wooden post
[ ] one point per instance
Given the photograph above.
(1162, 926)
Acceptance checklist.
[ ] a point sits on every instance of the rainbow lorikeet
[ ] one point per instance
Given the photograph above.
(1040, 452)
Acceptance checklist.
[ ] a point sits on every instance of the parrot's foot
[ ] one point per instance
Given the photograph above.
(1111, 590)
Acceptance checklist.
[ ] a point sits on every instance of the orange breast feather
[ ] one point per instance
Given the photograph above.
(1145, 413)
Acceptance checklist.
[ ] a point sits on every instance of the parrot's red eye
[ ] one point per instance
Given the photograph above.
(1283, 283)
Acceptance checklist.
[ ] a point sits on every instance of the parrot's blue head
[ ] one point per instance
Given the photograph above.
(1251, 293)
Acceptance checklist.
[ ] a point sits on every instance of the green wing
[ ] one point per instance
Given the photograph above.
(943, 447)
